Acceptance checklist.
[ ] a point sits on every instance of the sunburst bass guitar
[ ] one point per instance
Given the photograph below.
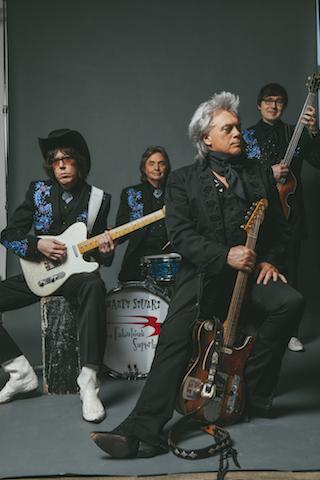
(45, 276)
(288, 188)
(222, 387)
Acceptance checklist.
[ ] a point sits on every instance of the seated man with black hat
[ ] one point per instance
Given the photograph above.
(51, 206)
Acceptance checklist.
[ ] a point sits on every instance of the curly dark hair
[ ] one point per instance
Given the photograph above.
(273, 89)
(81, 162)
(147, 154)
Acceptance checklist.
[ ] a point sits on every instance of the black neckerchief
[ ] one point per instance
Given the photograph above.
(229, 166)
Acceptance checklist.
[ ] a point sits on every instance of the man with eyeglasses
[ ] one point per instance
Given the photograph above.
(51, 206)
(267, 142)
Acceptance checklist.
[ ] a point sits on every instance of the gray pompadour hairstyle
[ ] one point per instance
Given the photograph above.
(202, 119)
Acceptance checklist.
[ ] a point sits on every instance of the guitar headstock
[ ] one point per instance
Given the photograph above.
(255, 215)
(314, 83)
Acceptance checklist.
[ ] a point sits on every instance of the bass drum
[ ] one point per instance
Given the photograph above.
(135, 312)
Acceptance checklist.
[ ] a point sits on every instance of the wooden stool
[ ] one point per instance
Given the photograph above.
(60, 346)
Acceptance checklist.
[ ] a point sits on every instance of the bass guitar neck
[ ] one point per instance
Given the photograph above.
(288, 188)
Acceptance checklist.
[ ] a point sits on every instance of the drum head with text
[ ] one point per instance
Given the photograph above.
(135, 312)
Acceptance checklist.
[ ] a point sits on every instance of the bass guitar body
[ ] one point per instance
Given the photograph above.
(285, 190)
(227, 405)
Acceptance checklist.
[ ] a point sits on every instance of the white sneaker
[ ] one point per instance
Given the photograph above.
(295, 345)
(22, 379)
(92, 408)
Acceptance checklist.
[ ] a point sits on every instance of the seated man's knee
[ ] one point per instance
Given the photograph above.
(94, 282)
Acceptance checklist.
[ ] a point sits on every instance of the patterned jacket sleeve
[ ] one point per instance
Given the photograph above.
(123, 214)
(16, 237)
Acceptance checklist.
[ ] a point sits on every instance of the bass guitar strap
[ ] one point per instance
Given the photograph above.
(222, 438)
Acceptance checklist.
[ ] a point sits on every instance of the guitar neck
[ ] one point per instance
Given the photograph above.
(230, 325)
(92, 243)
(288, 157)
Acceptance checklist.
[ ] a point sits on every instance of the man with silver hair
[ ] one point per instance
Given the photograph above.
(202, 119)
(206, 203)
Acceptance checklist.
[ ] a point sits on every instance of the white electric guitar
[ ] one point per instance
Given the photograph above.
(45, 276)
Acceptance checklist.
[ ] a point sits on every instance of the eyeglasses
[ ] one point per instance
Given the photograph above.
(66, 160)
(269, 101)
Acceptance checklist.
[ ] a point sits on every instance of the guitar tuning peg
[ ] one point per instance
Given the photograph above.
(309, 78)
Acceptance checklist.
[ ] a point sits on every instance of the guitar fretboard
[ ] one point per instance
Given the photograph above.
(287, 159)
(92, 243)
(230, 325)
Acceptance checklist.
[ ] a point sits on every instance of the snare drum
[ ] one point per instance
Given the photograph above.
(162, 268)
(135, 312)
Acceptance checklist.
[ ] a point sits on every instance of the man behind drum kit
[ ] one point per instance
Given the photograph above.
(136, 202)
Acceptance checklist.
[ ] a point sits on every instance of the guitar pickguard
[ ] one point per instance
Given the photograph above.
(212, 411)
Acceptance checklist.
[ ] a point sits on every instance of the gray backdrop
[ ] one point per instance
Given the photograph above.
(130, 73)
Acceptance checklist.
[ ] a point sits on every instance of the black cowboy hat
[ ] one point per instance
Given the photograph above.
(65, 138)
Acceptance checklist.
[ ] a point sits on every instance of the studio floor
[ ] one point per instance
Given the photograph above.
(45, 436)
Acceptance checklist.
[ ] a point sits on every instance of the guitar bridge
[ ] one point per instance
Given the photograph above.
(50, 264)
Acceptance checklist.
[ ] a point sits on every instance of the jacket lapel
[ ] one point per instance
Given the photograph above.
(210, 199)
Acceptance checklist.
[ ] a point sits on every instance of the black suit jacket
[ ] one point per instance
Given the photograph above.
(135, 202)
(195, 225)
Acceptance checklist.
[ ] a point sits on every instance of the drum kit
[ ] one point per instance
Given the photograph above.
(135, 312)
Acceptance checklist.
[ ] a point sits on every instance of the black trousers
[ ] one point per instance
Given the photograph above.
(291, 270)
(280, 306)
(86, 291)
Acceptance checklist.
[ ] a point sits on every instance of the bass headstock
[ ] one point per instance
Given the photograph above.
(314, 83)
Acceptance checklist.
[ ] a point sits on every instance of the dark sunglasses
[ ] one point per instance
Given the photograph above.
(67, 160)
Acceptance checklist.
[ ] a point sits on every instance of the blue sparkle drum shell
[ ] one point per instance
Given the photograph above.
(135, 313)
(161, 268)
